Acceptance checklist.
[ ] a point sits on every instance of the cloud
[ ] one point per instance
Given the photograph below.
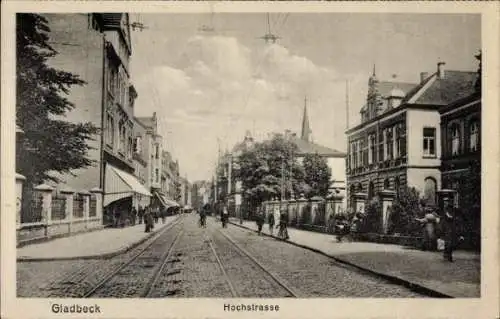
(220, 88)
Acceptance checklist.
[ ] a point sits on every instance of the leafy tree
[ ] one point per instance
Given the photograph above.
(317, 175)
(261, 168)
(48, 144)
(372, 221)
(405, 210)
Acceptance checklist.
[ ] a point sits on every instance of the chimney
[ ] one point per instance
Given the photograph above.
(423, 76)
(440, 70)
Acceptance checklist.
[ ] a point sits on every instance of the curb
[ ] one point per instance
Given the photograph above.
(393, 279)
(103, 255)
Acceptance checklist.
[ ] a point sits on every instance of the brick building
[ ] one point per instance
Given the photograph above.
(397, 143)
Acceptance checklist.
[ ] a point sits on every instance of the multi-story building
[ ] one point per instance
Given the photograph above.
(397, 143)
(98, 48)
(141, 158)
(461, 161)
(153, 146)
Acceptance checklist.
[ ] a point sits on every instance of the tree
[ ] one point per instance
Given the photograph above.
(261, 168)
(317, 175)
(48, 144)
(404, 212)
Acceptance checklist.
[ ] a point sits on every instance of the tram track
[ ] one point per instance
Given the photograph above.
(276, 287)
(136, 277)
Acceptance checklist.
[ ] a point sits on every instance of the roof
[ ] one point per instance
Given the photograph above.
(306, 147)
(385, 87)
(455, 85)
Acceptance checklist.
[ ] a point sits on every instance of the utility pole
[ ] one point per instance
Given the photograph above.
(282, 179)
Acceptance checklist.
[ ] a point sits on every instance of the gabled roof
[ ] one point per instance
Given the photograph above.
(436, 91)
(385, 87)
(306, 147)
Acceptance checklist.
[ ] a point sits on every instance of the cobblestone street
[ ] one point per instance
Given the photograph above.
(184, 260)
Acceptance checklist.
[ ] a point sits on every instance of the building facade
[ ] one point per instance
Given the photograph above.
(461, 161)
(98, 48)
(397, 144)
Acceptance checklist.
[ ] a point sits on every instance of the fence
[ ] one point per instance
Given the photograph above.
(42, 212)
(58, 207)
(78, 204)
(93, 206)
(32, 208)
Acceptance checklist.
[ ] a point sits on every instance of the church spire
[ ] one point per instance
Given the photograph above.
(306, 129)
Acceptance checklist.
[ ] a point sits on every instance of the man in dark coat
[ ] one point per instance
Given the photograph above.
(148, 220)
(449, 232)
(259, 219)
(140, 214)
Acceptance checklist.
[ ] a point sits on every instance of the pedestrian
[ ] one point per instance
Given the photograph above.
(156, 214)
(270, 221)
(116, 217)
(331, 223)
(203, 217)
(259, 220)
(428, 223)
(225, 216)
(163, 215)
(148, 220)
(134, 215)
(140, 214)
(283, 231)
(340, 227)
(449, 232)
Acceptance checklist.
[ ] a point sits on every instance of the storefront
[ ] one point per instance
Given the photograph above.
(122, 191)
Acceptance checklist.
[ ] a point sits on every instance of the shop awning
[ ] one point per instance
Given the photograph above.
(165, 201)
(120, 184)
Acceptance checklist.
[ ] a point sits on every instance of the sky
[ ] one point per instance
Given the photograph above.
(210, 87)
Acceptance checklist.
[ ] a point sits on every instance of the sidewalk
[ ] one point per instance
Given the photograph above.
(98, 244)
(460, 279)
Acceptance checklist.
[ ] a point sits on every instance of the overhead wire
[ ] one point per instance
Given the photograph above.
(247, 97)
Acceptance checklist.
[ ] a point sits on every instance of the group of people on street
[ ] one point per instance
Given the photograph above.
(282, 225)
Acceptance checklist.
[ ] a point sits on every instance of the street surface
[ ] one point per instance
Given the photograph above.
(184, 260)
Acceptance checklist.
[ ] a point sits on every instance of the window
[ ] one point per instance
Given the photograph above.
(360, 153)
(130, 147)
(122, 132)
(397, 141)
(455, 139)
(381, 146)
(354, 155)
(388, 141)
(387, 184)
(397, 186)
(371, 149)
(474, 136)
(429, 141)
(371, 190)
(112, 80)
(157, 151)
(157, 175)
(138, 145)
(110, 129)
